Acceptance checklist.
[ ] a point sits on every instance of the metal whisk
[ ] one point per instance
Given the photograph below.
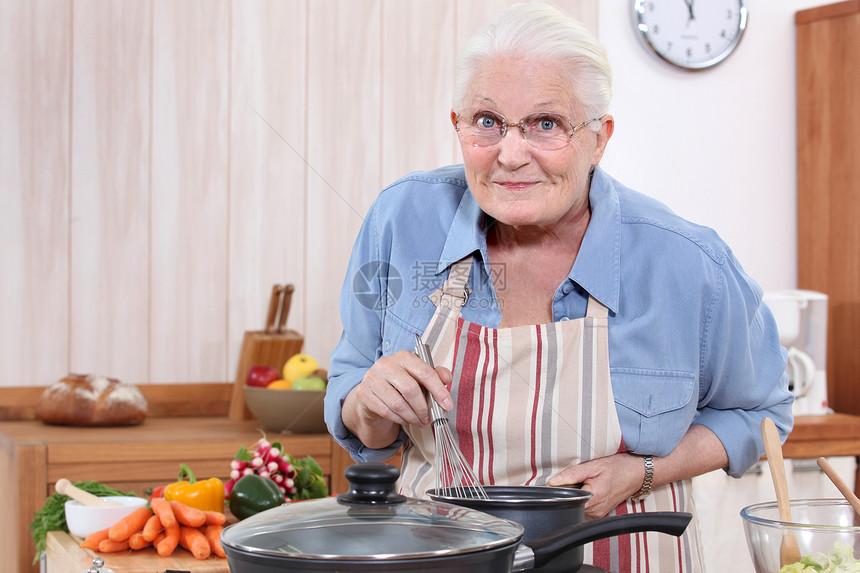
(454, 475)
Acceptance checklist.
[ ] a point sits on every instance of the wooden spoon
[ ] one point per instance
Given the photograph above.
(840, 484)
(66, 487)
(789, 552)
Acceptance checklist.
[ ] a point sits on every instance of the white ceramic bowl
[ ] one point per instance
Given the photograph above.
(85, 519)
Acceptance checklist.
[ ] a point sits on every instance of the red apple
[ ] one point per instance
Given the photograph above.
(262, 376)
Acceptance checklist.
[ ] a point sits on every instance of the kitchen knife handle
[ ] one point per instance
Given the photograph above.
(286, 301)
(273, 308)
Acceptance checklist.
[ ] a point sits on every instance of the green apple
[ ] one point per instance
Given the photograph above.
(308, 383)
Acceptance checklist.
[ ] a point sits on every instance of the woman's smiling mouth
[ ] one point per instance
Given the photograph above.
(516, 185)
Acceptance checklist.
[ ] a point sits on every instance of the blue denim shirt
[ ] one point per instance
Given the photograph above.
(690, 340)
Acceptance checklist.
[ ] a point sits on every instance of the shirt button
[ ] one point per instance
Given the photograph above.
(385, 346)
(566, 288)
(563, 318)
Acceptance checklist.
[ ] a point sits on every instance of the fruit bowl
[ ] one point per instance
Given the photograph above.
(85, 519)
(296, 411)
(820, 526)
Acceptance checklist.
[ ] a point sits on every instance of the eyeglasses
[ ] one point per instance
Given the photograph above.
(544, 130)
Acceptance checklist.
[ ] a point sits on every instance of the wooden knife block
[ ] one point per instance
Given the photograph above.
(265, 349)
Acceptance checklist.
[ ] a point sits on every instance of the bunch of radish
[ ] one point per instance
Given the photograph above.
(265, 460)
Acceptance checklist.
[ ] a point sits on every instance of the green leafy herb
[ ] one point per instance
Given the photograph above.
(310, 483)
(52, 516)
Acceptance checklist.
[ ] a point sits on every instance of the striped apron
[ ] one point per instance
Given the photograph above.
(530, 401)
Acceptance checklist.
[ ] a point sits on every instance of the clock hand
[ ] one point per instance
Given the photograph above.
(689, 4)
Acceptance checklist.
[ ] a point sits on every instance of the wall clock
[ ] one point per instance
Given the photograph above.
(691, 34)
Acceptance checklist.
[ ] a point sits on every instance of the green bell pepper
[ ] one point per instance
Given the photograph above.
(253, 494)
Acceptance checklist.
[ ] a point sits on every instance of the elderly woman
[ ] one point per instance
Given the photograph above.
(582, 332)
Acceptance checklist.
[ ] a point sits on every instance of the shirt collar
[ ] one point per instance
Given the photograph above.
(598, 265)
(466, 234)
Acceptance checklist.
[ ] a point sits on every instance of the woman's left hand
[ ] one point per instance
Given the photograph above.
(615, 478)
(611, 480)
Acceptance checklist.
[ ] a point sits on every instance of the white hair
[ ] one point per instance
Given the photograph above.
(542, 33)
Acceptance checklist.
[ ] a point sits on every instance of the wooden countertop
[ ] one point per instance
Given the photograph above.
(824, 435)
(64, 555)
(33, 456)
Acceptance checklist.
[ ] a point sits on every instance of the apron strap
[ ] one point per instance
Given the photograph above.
(596, 309)
(454, 293)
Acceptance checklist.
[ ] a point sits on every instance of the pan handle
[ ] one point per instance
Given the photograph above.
(542, 550)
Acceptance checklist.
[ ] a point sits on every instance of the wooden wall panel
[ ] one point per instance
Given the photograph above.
(418, 44)
(267, 175)
(34, 190)
(344, 151)
(165, 162)
(110, 236)
(189, 190)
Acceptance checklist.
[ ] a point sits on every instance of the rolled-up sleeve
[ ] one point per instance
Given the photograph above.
(361, 304)
(742, 378)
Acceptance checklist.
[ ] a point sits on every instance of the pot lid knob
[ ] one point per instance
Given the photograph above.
(371, 483)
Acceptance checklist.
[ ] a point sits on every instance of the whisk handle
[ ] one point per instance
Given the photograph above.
(423, 352)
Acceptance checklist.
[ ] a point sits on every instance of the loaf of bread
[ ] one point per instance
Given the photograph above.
(87, 400)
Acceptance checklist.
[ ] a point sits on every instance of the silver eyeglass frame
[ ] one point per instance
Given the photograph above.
(505, 124)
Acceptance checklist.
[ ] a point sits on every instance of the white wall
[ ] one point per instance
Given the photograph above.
(717, 146)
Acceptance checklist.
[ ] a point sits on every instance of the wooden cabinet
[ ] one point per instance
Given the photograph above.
(828, 183)
(33, 456)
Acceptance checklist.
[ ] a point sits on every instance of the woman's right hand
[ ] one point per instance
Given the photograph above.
(392, 394)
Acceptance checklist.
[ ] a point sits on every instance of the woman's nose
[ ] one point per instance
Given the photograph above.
(514, 150)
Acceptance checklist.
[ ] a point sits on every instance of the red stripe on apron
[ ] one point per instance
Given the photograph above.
(536, 403)
(466, 395)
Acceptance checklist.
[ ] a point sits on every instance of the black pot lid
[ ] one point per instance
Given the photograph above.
(371, 522)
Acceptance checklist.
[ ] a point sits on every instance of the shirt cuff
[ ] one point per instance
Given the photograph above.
(740, 433)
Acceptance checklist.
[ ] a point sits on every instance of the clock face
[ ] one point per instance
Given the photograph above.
(691, 34)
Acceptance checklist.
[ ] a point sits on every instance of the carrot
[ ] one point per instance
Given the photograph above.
(111, 546)
(215, 518)
(187, 515)
(93, 539)
(162, 509)
(122, 529)
(167, 541)
(152, 528)
(137, 541)
(213, 536)
(195, 542)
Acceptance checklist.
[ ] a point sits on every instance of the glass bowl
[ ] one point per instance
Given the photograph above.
(820, 526)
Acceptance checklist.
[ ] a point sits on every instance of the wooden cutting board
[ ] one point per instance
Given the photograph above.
(64, 555)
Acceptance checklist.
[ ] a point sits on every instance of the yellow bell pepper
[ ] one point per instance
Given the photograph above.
(207, 495)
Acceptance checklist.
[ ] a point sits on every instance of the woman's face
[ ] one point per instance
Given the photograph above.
(513, 181)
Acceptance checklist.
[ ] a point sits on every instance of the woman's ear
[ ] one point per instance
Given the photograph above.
(607, 128)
